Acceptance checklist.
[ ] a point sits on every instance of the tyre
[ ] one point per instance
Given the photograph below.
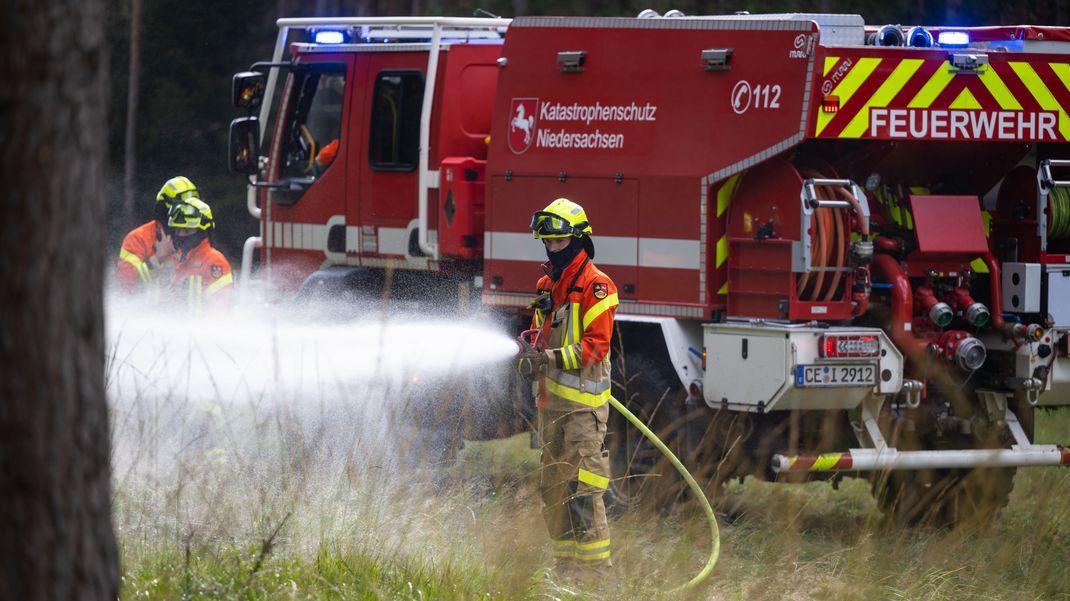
(944, 498)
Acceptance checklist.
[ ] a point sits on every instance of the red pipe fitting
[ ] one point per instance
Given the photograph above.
(859, 303)
(975, 313)
(996, 302)
(961, 349)
(886, 268)
(886, 244)
(926, 303)
(860, 293)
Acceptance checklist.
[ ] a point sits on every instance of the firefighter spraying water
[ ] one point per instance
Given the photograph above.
(574, 308)
(567, 349)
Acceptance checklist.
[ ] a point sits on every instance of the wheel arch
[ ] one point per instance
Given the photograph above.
(674, 344)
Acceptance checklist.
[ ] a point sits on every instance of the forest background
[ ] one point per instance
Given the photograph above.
(185, 51)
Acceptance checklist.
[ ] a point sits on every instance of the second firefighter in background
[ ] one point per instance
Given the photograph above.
(202, 274)
(574, 312)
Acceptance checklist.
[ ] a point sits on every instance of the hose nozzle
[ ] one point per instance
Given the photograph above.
(528, 340)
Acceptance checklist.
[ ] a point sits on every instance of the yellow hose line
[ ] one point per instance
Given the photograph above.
(715, 533)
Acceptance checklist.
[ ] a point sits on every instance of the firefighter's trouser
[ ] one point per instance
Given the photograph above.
(573, 478)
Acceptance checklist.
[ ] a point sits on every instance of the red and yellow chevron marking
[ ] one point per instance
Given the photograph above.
(923, 99)
(723, 191)
(826, 462)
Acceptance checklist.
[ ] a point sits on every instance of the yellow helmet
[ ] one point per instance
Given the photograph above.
(560, 219)
(192, 213)
(174, 190)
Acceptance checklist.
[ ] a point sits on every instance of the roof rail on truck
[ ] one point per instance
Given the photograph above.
(837, 29)
(400, 28)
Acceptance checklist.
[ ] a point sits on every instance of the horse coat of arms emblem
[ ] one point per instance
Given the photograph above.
(522, 124)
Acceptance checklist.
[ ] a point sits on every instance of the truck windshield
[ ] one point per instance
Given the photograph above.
(313, 122)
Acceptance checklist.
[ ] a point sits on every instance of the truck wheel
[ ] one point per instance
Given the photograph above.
(914, 498)
(979, 495)
(945, 498)
(641, 474)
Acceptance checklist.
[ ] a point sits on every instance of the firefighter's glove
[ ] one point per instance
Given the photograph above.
(530, 363)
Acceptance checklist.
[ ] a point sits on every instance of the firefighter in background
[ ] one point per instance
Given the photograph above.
(325, 157)
(147, 248)
(574, 312)
(202, 275)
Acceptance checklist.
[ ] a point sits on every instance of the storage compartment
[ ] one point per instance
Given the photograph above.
(746, 368)
(1058, 293)
(461, 210)
(762, 367)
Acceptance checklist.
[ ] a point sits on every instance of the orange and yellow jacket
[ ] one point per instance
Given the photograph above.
(203, 277)
(134, 270)
(576, 326)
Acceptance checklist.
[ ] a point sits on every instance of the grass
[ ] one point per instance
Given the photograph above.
(481, 537)
(270, 498)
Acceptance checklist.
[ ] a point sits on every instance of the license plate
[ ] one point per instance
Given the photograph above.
(809, 376)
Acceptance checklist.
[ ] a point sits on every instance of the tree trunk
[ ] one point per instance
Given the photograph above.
(56, 538)
(132, 95)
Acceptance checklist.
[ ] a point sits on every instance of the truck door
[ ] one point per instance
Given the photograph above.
(390, 173)
(308, 155)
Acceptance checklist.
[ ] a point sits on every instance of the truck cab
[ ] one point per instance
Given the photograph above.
(363, 119)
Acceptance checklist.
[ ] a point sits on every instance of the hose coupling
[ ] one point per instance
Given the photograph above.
(861, 252)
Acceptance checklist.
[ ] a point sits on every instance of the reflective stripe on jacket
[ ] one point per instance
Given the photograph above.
(203, 277)
(576, 334)
(133, 270)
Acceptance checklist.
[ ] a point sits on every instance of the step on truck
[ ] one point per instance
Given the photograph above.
(840, 248)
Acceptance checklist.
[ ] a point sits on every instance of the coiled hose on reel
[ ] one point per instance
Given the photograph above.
(830, 243)
(1059, 209)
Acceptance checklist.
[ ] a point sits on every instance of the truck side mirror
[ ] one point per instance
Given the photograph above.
(247, 89)
(244, 145)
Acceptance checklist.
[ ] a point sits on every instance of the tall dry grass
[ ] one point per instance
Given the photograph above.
(271, 496)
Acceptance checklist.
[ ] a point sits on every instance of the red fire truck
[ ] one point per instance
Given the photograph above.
(840, 248)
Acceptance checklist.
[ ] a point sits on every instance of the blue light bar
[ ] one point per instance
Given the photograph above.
(330, 37)
(953, 39)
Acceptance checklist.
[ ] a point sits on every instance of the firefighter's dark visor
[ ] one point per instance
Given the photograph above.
(184, 215)
(180, 217)
(549, 225)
